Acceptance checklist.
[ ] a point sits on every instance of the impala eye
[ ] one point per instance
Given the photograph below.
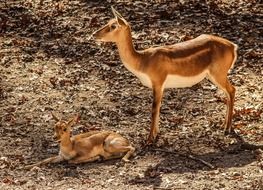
(113, 26)
(65, 129)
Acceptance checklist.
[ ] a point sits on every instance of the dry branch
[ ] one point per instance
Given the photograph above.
(187, 156)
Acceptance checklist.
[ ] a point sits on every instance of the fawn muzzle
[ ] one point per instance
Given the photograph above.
(55, 138)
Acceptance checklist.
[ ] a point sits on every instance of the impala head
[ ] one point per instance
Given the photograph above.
(112, 31)
(63, 128)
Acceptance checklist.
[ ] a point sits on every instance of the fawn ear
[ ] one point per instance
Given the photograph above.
(120, 19)
(73, 121)
(55, 117)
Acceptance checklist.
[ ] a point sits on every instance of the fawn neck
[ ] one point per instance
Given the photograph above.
(66, 142)
(129, 56)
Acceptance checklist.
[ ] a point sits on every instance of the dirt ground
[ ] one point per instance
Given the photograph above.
(47, 63)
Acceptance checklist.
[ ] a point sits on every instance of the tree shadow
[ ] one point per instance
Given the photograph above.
(34, 31)
(174, 161)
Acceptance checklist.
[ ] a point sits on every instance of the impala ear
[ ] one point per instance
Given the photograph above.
(55, 117)
(120, 19)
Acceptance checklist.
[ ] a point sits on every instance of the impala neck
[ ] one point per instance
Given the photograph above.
(129, 56)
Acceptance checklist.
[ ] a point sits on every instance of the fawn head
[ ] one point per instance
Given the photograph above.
(63, 128)
(112, 31)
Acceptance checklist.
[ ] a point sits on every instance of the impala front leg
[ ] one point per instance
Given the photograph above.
(157, 98)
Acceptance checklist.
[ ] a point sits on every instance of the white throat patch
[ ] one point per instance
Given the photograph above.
(144, 78)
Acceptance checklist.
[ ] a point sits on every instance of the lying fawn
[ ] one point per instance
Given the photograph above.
(175, 66)
(87, 147)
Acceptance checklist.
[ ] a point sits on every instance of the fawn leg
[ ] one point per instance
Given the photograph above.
(83, 159)
(116, 148)
(53, 159)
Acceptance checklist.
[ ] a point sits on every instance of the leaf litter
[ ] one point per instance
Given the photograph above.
(49, 64)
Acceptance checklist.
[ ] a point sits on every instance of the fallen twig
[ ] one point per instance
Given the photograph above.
(187, 156)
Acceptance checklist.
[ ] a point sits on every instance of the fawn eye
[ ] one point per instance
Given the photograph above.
(65, 129)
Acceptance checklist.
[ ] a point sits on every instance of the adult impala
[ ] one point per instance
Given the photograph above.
(175, 66)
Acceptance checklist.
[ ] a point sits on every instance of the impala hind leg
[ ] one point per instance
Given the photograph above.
(230, 92)
(224, 84)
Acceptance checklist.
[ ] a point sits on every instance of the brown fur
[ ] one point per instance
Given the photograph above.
(87, 147)
(208, 53)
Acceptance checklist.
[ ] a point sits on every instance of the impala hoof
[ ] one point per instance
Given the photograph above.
(229, 131)
(151, 140)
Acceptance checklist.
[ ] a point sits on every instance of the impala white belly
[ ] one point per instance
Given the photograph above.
(171, 81)
(177, 81)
